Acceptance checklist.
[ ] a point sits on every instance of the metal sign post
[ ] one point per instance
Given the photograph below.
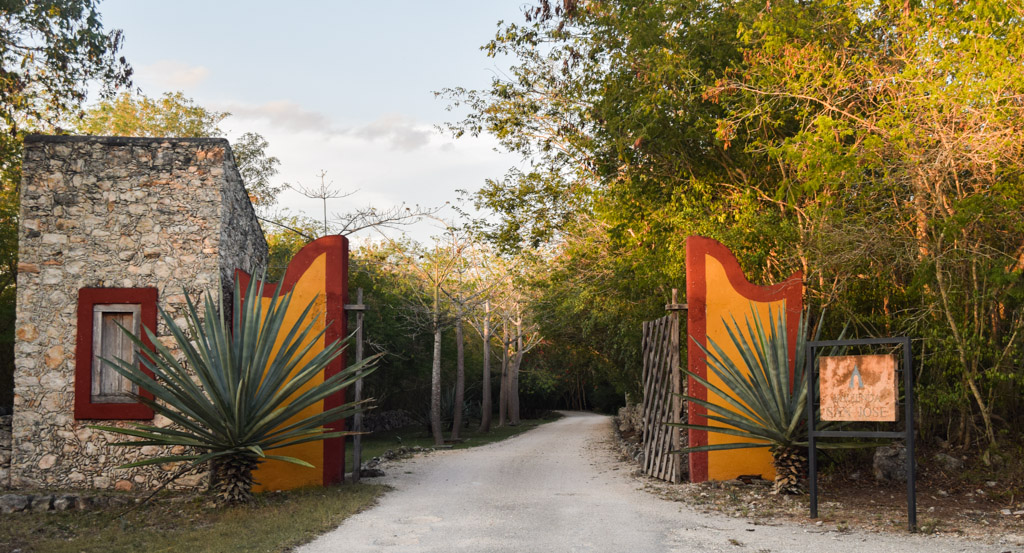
(907, 434)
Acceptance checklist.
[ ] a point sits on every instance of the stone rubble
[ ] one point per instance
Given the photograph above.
(392, 454)
(24, 503)
(5, 451)
(890, 463)
(948, 462)
(628, 430)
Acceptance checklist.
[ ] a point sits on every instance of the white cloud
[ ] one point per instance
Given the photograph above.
(387, 161)
(381, 176)
(397, 131)
(401, 132)
(284, 115)
(173, 74)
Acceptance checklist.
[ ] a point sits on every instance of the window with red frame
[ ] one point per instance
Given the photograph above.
(100, 391)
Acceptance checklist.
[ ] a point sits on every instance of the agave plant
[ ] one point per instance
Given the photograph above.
(762, 402)
(240, 382)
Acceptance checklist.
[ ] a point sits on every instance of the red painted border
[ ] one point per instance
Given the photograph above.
(87, 298)
(336, 249)
(791, 290)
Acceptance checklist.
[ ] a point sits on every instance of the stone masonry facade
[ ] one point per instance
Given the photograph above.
(111, 212)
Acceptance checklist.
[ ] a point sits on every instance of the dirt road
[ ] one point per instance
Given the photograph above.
(560, 488)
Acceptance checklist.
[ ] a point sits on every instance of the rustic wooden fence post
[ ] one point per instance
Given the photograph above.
(357, 420)
(677, 388)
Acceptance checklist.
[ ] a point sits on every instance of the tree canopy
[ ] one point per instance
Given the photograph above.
(51, 51)
(133, 114)
(876, 146)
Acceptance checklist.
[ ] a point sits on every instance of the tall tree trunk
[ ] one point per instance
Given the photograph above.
(503, 389)
(513, 376)
(435, 376)
(485, 406)
(968, 356)
(460, 376)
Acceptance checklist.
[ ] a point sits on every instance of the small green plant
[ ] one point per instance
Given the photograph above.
(239, 383)
(929, 526)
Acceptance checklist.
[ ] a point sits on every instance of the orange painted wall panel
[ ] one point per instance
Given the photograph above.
(717, 291)
(318, 274)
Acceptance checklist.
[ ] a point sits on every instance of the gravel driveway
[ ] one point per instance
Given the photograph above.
(560, 488)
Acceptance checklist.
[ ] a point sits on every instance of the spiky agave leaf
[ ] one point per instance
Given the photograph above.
(761, 401)
(239, 384)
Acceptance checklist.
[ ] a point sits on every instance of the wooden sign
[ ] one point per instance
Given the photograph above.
(858, 388)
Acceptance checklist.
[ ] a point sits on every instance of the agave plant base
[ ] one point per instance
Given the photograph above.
(790, 464)
(232, 478)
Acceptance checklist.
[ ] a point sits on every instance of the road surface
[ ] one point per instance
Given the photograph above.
(560, 488)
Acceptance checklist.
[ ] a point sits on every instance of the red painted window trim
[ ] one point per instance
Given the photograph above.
(85, 408)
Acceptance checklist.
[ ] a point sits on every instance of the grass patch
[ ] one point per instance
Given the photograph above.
(273, 523)
(375, 444)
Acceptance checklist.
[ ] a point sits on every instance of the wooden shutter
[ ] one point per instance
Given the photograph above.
(110, 342)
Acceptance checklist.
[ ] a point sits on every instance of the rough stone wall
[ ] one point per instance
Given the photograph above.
(108, 212)
(242, 245)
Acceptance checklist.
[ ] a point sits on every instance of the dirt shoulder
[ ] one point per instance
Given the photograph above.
(967, 504)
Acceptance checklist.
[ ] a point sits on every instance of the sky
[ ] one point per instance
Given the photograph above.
(342, 87)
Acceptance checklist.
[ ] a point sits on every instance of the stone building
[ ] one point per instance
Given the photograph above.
(110, 229)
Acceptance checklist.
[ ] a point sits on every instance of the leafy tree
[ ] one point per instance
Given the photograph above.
(476, 277)
(51, 51)
(285, 238)
(905, 120)
(257, 168)
(606, 101)
(876, 146)
(8, 275)
(403, 380)
(173, 114)
(434, 270)
(233, 386)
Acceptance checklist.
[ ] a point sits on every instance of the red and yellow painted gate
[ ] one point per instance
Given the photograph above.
(717, 291)
(318, 273)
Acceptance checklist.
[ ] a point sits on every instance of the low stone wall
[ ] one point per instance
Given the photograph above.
(628, 433)
(5, 451)
(387, 420)
(631, 418)
(24, 503)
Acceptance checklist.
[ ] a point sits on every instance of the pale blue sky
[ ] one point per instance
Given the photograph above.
(345, 87)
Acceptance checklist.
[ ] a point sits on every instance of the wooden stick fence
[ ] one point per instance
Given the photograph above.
(662, 403)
